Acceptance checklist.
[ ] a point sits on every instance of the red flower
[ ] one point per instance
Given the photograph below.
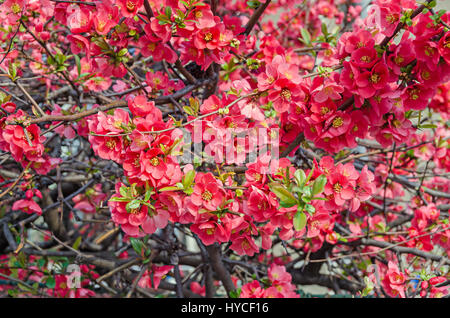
(78, 44)
(129, 8)
(208, 192)
(369, 82)
(140, 106)
(444, 47)
(27, 206)
(394, 281)
(364, 57)
(152, 278)
(416, 96)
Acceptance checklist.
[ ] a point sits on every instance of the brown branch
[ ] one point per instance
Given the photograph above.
(215, 258)
(185, 72)
(17, 181)
(255, 17)
(297, 141)
(148, 9)
(115, 104)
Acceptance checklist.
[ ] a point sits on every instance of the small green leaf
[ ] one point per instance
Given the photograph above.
(289, 204)
(309, 175)
(122, 52)
(319, 184)
(282, 193)
(50, 282)
(148, 194)
(77, 243)
(168, 11)
(306, 37)
(253, 4)
(137, 245)
(310, 209)
(118, 199)
(300, 177)
(123, 191)
(135, 204)
(299, 221)
(78, 63)
(188, 178)
(235, 293)
(427, 126)
(168, 189)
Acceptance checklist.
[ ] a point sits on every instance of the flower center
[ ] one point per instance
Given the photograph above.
(15, 8)
(426, 75)
(130, 6)
(324, 110)
(198, 14)
(375, 78)
(208, 37)
(337, 187)
(286, 94)
(413, 94)
(396, 123)
(154, 161)
(365, 59)
(111, 144)
(398, 60)
(391, 18)
(206, 195)
(429, 51)
(338, 122)
(134, 211)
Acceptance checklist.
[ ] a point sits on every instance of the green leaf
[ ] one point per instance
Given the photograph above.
(319, 198)
(12, 70)
(168, 11)
(319, 184)
(427, 126)
(235, 293)
(282, 193)
(310, 209)
(148, 194)
(289, 204)
(299, 221)
(368, 288)
(300, 177)
(78, 63)
(123, 191)
(309, 175)
(118, 199)
(77, 243)
(137, 245)
(188, 178)
(307, 192)
(135, 204)
(324, 29)
(306, 37)
(122, 52)
(50, 282)
(168, 189)
(253, 4)
(188, 110)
